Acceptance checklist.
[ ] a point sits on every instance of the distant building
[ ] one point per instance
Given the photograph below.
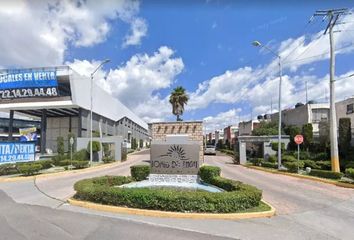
(303, 114)
(345, 109)
(246, 128)
(229, 134)
(219, 135)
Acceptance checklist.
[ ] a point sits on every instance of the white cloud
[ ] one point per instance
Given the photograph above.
(137, 32)
(45, 29)
(136, 82)
(221, 120)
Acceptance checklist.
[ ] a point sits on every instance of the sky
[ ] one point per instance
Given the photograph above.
(204, 46)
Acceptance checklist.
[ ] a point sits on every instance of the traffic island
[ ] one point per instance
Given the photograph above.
(235, 200)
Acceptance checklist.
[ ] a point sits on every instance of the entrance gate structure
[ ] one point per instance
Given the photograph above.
(266, 145)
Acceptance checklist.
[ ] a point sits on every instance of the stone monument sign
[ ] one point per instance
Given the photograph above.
(175, 158)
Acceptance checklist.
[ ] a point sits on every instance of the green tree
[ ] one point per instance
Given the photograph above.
(323, 128)
(178, 99)
(345, 135)
(266, 128)
(60, 146)
(292, 131)
(307, 132)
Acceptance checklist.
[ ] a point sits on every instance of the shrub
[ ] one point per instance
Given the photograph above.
(227, 151)
(45, 163)
(102, 190)
(8, 168)
(81, 155)
(349, 172)
(288, 158)
(236, 158)
(312, 164)
(140, 172)
(326, 174)
(96, 146)
(256, 161)
(207, 173)
(324, 165)
(60, 145)
(56, 159)
(108, 159)
(63, 163)
(349, 165)
(29, 168)
(303, 155)
(275, 146)
(320, 156)
(294, 166)
(273, 158)
(269, 164)
(79, 164)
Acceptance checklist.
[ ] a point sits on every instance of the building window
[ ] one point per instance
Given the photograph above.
(350, 108)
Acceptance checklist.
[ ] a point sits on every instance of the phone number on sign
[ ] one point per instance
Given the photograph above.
(28, 92)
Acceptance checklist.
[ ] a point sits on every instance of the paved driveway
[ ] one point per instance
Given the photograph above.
(306, 209)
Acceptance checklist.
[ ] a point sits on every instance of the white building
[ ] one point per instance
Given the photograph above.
(246, 128)
(303, 114)
(345, 109)
(66, 107)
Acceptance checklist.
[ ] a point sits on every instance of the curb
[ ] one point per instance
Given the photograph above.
(315, 179)
(164, 214)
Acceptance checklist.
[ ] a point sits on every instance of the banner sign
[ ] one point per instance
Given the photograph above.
(26, 84)
(28, 134)
(11, 152)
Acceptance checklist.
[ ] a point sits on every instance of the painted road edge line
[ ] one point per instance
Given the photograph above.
(339, 184)
(164, 214)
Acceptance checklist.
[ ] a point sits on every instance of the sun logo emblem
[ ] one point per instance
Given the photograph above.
(176, 152)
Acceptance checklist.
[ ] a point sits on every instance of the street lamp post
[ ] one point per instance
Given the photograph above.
(91, 100)
(258, 44)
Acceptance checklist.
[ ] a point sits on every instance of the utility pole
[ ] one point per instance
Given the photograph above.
(306, 92)
(332, 15)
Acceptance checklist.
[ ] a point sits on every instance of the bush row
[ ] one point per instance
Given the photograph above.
(237, 196)
(326, 174)
(349, 172)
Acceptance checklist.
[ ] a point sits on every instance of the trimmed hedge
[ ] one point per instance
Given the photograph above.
(140, 172)
(326, 174)
(8, 168)
(108, 159)
(310, 163)
(237, 197)
(288, 158)
(29, 168)
(45, 163)
(207, 173)
(269, 165)
(272, 158)
(81, 155)
(324, 165)
(80, 164)
(349, 172)
(294, 166)
(256, 161)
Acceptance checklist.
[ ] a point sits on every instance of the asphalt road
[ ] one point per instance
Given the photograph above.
(306, 210)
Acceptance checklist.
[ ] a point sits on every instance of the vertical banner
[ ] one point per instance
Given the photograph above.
(11, 152)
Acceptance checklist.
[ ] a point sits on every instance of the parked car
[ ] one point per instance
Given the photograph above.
(210, 149)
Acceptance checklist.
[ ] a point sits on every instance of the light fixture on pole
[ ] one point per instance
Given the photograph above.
(91, 98)
(258, 44)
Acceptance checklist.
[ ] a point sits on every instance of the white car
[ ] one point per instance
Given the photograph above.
(210, 149)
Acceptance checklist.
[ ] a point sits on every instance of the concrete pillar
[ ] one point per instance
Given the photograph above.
(43, 130)
(242, 151)
(11, 124)
(79, 127)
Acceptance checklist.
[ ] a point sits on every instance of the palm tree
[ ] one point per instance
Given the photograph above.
(178, 99)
